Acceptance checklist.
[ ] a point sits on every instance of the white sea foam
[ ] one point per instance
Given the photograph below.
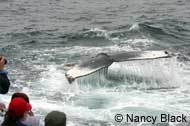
(135, 26)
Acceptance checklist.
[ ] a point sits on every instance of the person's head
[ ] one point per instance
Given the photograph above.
(18, 107)
(2, 109)
(4, 60)
(25, 97)
(20, 95)
(55, 118)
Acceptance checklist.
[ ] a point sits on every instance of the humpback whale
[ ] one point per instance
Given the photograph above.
(103, 60)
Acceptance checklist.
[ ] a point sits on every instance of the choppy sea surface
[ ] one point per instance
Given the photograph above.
(39, 37)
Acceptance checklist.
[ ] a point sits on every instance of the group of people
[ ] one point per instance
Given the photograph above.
(19, 111)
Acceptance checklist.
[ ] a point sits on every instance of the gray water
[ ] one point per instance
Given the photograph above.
(39, 37)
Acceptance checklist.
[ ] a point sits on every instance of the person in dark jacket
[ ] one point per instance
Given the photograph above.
(4, 80)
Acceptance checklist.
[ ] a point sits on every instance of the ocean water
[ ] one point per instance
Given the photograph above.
(39, 37)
